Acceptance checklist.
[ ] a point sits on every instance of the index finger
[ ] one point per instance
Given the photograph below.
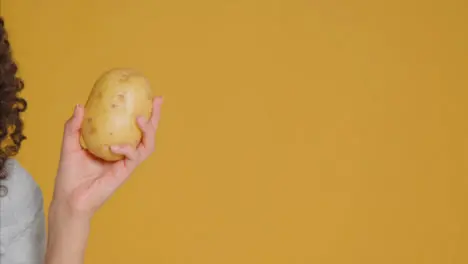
(71, 135)
(157, 102)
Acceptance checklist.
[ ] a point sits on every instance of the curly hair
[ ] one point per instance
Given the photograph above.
(11, 104)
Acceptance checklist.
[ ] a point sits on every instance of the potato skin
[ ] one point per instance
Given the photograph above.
(117, 98)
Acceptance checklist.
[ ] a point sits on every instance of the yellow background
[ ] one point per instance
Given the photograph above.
(293, 131)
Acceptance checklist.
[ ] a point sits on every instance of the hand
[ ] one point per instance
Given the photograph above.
(84, 182)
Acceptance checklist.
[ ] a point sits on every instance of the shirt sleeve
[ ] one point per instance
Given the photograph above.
(29, 246)
(22, 226)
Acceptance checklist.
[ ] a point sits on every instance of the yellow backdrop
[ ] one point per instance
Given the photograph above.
(293, 131)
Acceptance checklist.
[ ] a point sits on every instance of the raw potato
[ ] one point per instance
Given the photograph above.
(118, 97)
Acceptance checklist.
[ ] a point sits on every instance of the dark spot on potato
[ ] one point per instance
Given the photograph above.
(119, 100)
(121, 97)
(92, 130)
(89, 120)
(124, 77)
(110, 133)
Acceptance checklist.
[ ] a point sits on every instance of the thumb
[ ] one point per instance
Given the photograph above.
(71, 135)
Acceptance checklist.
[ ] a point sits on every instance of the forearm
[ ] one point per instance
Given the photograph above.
(67, 237)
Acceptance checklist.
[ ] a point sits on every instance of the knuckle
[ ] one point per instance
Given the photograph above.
(140, 156)
(148, 150)
(151, 148)
(148, 129)
(68, 124)
(149, 125)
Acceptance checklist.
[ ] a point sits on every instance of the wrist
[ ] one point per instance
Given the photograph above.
(62, 208)
(67, 234)
(65, 218)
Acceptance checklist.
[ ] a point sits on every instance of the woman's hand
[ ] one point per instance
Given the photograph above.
(84, 183)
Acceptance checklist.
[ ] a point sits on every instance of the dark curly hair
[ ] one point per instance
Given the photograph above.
(11, 104)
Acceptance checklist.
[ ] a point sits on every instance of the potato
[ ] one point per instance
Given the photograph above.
(118, 97)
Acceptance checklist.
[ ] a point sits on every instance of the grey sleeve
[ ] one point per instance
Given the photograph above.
(28, 247)
(22, 220)
(22, 232)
